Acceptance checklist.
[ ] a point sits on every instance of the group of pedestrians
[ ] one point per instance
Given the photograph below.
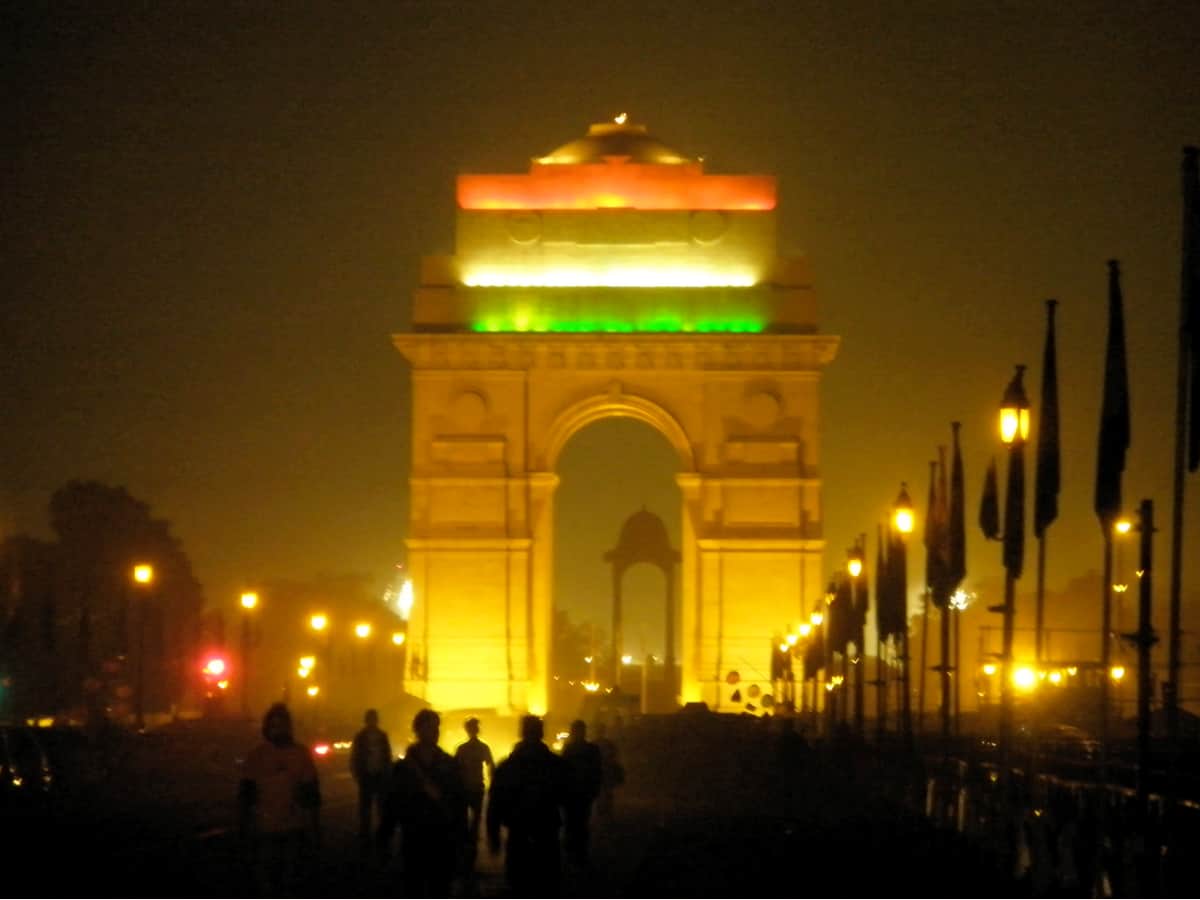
(435, 801)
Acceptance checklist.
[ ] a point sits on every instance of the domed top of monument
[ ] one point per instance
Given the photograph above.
(616, 141)
(643, 539)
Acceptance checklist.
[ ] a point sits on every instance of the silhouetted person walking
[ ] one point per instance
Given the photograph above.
(279, 801)
(370, 763)
(425, 797)
(472, 756)
(525, 799)
(612, 772)
(584, 771)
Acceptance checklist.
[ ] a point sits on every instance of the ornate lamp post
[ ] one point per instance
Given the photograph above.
(1014, 431)
(143, 577)
(903, 522)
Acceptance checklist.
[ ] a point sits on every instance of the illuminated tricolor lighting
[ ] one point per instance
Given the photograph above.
(607, 186)
(641, 277)
(516, 322)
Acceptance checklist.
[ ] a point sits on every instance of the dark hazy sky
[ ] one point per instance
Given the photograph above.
(213, 216)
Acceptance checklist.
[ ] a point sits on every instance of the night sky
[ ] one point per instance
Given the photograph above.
(213, 217)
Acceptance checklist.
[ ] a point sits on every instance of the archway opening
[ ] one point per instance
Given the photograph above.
(609, 470)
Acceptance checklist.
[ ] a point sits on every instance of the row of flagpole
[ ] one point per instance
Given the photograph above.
(945, 533)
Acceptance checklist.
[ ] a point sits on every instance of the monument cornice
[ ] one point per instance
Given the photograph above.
(608, 352)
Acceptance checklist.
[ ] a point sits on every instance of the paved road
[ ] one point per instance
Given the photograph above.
(706, 812)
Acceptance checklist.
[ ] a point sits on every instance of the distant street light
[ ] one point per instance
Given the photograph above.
(903, 522)
(249, 600)
(854, 566)
(143, 576)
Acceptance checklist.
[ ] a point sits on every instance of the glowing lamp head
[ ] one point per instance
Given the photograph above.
(1117, 673)
(1025, 678)
(214, 666)
(1122, 526)
(313, 690)
(1014, 410)
(1056, 677)
(398, 638)
(308, 662)
(805, 630)
(854, 563)
(902, 511)
(626, 659)
(816, 618)
(143, 573)
(319, 622)
(249, 600)
(621, 119)
(989, 669)
(363, 629)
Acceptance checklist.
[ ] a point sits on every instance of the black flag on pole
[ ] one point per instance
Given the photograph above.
(1045, 509)
(989, 506)
(1191, 298)
(957, 526)
(1114, 410)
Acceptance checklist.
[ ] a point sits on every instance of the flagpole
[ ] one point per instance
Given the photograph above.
(1106, 645)
(1114, 440)
(1047, 487)
(1041, 598)
(1188, 296)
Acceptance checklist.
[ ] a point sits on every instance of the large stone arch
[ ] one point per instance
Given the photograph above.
(615, 404)
(491, 415)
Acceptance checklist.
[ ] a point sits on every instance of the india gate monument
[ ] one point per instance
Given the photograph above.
(614, 278)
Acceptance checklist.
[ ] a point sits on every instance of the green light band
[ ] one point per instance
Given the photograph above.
(618, 310)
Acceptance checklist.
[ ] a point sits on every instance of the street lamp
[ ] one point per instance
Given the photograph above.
(903, 522)
(1014, 430)
(143, 577)
(249, 601)
(319, 622)
(854, 566)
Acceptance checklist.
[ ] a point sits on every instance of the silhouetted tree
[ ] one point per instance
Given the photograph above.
(71, 610)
